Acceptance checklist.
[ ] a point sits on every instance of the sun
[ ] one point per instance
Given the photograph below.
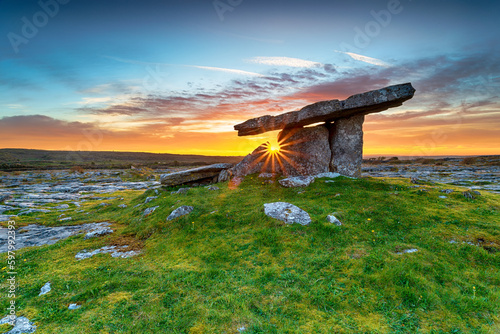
(274, 149)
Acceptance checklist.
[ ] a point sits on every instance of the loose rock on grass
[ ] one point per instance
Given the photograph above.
(287, 213)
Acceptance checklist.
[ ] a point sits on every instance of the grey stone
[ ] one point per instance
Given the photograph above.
(65, 219)
(98, 232)
(447, 191)
(213, 188)
(224, 176)
(471, 194)
(22, 325)
(74, 306)
(442, 197)
(181, 191)
(407, 251)
(38, 235)
(181, 211)
(149, 199)
(62, 206)
(149, 211)
(287, 213)
(205, 174)
(4, 218)
(328, 111)
(334, 220)
(123, 206)
(346, 141)
(267, 175)
(329, 175)
(45, 289)
(296, 181)
(27, 212)
(113, 250)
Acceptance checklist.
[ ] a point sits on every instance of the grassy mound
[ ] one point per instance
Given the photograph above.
(228, 268)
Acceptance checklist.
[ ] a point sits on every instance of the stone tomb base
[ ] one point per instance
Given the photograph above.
(334, 147)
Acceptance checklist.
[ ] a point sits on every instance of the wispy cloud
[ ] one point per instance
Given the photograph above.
(284, 61)
(366, 59)
(208, 68)
(227, 70)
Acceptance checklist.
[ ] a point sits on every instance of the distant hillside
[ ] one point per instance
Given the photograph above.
(25, 159)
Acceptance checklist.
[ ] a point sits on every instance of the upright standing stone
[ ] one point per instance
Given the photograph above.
(346, 142)
(303, 151)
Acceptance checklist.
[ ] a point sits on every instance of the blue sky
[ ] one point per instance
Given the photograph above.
(175, 76)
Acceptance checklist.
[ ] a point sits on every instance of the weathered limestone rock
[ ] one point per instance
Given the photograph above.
(328, 111)
(287, 213)
(180, 211)
(346, 142)
(205, 174)
(296, 181)
(303, 151)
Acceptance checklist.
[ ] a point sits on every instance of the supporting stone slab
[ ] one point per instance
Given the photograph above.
(303, 151)
(346, 142)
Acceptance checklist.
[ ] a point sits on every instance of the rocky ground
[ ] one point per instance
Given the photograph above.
(24, 193)
(30, 192)
(482, 175)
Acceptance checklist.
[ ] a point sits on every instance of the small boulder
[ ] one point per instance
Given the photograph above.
(180, 191)
(334, 220)
(45, 289)
(98, 232)
(149, 199)
(287, 213)
(471, 194)
(123, 206)
(297, 181)
(213, 188)
(447, 191)
(149, 211)
(181, 211)
(74, 306)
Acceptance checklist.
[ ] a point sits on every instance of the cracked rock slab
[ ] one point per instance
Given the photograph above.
(22, 325)
(287, 213)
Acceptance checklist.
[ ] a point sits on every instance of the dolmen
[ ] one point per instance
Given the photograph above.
(335, 145)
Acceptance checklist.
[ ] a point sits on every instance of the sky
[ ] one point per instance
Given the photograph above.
(176, 76)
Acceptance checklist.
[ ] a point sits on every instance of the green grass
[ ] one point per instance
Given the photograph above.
(215, 272)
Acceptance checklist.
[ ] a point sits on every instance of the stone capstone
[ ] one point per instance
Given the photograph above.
(328, 111)
(287, 213)
(202, 175)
